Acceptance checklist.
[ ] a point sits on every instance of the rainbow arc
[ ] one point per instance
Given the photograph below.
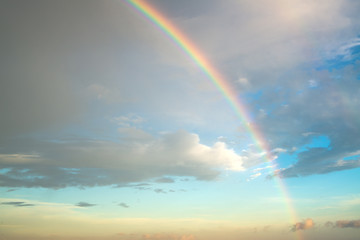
(180, 39)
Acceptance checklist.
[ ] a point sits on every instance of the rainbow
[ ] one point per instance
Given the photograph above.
(221, 84)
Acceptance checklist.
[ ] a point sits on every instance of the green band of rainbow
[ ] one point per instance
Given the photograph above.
(221, 84)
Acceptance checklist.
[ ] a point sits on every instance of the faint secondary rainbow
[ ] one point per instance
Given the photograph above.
(218, 80)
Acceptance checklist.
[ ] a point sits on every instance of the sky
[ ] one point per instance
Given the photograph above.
(208, 120)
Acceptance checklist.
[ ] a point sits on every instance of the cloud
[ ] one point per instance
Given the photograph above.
(84, 204)
(18, 204)
(283, 47)
(159, 190)
(329, 224)
(164, 236)
(306, 224)
(124, 205)
(253, 176)
(19, 158)
(344, 224)
(326, 161)
(261, 169)
(42, 90)
(128, 120)
(346, 53)
(243, 82)
(303, 102)
(76, 163)
(348, 224)
(253, 156)
(165, 180)
(307, 112)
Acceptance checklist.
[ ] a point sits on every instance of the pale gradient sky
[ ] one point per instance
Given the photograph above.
(109, 130)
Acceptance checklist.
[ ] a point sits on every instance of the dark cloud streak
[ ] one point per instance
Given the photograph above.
(18, 204)
(84, 204)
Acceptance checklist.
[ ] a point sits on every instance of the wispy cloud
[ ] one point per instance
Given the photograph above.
(129, 120)
(124, 205)
(18, 204)
(159, 190)
(253, 176)
(85, 204)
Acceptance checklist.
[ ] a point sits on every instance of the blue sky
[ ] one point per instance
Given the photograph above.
(110, 131)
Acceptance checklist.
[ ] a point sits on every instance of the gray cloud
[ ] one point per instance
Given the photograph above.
(49, 74)
(18, 204)
(124, 205)
(76, 163)
(84, 204)
(344, 224)
(348, 224)
(329, 110)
